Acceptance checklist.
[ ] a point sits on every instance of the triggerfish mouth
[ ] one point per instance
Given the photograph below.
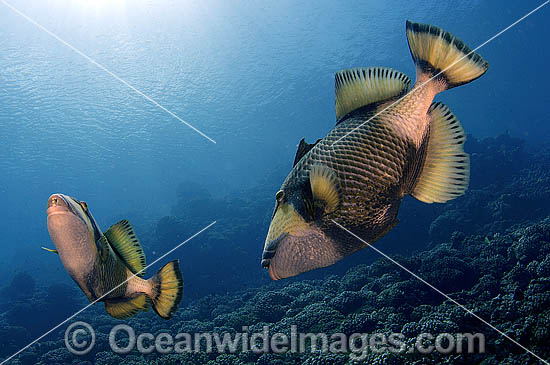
(109, 266)
(388, 142)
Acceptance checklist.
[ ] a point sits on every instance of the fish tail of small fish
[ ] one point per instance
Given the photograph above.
(166, 289)
(441, 59)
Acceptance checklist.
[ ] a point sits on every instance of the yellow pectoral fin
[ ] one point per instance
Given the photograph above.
(50, 250)
(324, 187)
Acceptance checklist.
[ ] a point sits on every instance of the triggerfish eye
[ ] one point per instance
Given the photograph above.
(84, 206)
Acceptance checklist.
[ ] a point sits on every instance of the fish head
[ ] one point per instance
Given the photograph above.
(73, 231)
(296, 241)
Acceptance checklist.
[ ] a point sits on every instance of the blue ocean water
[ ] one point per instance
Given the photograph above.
(256, 77)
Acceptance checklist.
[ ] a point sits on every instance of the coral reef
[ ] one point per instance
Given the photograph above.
(504, 279)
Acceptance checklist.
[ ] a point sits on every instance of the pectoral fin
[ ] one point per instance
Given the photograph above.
(103, 248)
(324, 187)
(50, 250)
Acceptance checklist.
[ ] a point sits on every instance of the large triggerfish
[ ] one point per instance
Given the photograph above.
(388, 142)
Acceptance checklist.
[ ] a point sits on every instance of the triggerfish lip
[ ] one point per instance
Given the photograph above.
(272, 274)
(270, 250)
(293, 254)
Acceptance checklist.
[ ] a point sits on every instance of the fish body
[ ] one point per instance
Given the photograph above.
(388, 142)
(108, 266)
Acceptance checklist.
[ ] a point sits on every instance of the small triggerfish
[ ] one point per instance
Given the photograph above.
(388, 142)
(109, 266)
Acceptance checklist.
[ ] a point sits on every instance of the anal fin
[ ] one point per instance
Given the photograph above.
(446, 171)
(126, 308)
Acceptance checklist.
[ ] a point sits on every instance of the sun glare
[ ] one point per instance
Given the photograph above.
(102, 5)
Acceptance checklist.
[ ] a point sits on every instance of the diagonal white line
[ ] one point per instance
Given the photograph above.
(89, 59)
(440, 292)
(104, 295)
(445, 69)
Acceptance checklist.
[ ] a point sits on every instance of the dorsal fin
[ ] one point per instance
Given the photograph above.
(446, 171)
(358, 87)
(303, 148)
(125, 243)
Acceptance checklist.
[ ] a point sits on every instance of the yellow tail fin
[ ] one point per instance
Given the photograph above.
(439, 53)
(167, 289)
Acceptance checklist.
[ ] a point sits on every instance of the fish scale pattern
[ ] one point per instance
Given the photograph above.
(110, 274)
(372, 163)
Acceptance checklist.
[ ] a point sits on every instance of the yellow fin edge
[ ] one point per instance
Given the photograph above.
(324, 186)
(127, 308)
(49, 250)
(123, 240)
(167, 289)
(358, 87)
(435, 50)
